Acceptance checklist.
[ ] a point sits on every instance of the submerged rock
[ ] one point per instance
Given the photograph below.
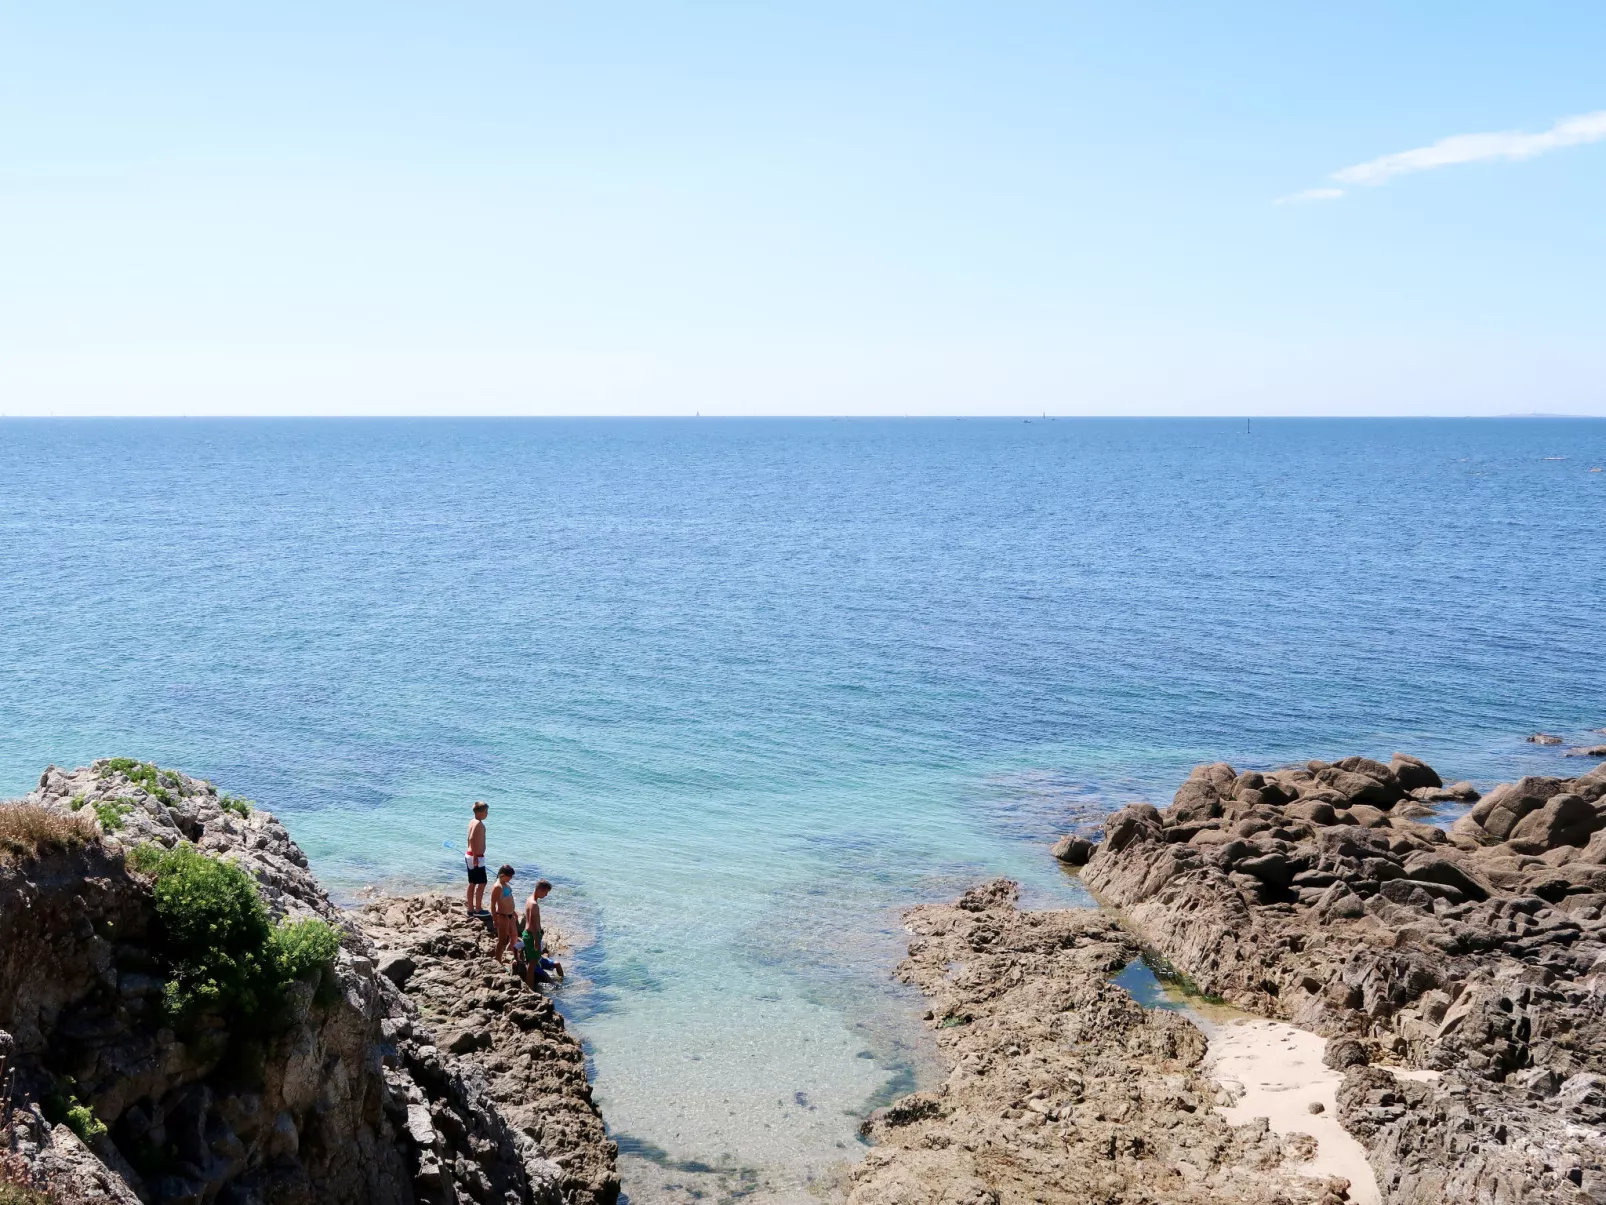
(1479, 954)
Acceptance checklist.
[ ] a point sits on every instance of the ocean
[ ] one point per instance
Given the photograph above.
(744, 690)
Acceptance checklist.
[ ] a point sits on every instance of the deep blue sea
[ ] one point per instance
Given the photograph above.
(745, 689)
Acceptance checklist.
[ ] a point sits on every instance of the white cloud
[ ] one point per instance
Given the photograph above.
(1463, 148)
(1311, 194)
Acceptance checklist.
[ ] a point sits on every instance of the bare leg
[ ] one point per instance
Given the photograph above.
(503, 937)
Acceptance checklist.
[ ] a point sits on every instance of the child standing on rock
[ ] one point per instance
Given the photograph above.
(504, 913)
(475, 857)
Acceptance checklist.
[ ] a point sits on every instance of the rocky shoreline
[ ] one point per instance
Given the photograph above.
(1061, 1087)
(1454, 977)
(415, 1069)
(1458, 976)
(1314, 895)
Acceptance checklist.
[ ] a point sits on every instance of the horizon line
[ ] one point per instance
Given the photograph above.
(1038, 416)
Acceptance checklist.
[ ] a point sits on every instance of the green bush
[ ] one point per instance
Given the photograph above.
(61, 1105)
(143, 774)
(112, 812)
(233, 803)
(221, 952)
(81, 1120)
(302, 949)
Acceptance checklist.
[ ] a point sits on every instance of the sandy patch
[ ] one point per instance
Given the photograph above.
(1272, 1070)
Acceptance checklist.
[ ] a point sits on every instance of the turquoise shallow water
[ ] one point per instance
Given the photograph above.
(743, 690)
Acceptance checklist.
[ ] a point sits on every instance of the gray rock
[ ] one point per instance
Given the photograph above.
(1073, 850)
(1344, 1053)
(1412, 773)
(398, 968)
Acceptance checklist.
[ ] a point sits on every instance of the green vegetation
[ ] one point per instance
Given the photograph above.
(234, 803)
(221, 951)
(76, 802)
(112, 812)
(60, 1105)
(144, 774)
(26, 830)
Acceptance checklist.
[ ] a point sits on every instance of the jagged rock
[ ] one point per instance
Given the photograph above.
(1544, 738)
(1479, 957)
(1060, 1088)
(398, 968)
(338, 1108)
(1343, 1053)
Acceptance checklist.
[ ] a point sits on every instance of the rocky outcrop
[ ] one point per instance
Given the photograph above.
(1061, 1088)
(1315, 894)
(533, 1070)
(352, 1096)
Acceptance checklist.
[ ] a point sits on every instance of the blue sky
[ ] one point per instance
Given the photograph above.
(800, 209)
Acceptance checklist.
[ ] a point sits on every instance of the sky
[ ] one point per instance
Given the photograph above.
(822, 208)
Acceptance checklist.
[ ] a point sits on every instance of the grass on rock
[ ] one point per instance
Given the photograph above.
(233, 803)
(27, 831)
(147, 775)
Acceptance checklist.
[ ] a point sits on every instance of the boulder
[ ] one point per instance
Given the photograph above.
(1344, 1053)
(1501, 809)
(1313, 810)
(1200, 797)
(1544, 738)
(1338, 902)
(1433, 868)
(1357, 788)
(398, 968)
(1412, 773)
(1273, 868)
(1072, 850)
(1595, 850)
(1135, 822)
(1364, 815)
(1372, 769)
(1563, 820)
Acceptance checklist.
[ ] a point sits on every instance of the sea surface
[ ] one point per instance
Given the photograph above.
(746, 689)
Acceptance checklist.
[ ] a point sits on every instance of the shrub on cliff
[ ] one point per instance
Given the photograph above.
(26, 830)
(222, 953)
(157, 782)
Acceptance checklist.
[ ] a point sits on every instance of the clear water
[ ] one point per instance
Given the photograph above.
(744, 690)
